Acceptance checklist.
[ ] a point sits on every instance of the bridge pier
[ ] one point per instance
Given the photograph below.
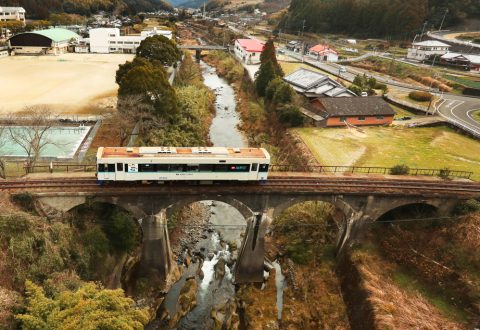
(156, 258)
(249, 266)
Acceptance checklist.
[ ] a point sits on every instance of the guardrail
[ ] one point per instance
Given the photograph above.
(370, 170)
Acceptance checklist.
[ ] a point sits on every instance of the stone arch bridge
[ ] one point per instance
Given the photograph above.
(259, 204)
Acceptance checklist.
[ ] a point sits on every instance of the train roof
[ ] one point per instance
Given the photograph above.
(159, 152)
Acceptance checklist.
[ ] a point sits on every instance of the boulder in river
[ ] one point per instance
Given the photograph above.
(186, 301)
(219, 269)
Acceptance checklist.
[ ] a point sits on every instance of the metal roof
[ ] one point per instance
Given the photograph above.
(305, 78)
(57, 34)
(431, 43)
(15, 9)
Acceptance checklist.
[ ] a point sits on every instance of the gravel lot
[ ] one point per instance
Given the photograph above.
(70, 83)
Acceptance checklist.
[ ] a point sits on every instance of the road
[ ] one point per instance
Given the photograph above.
(456, 109)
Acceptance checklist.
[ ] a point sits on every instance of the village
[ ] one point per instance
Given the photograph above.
(232, 165)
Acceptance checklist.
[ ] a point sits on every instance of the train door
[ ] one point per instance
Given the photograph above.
(119, 173)
(109, 171)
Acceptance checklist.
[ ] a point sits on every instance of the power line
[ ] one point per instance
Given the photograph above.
(232, 226)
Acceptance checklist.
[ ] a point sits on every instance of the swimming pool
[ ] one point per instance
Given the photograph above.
(62, 142)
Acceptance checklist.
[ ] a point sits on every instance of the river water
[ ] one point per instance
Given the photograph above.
(225, 227)
(224, 130)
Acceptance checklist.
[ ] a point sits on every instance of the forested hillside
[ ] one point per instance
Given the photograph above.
(40, 9)
(384, 18)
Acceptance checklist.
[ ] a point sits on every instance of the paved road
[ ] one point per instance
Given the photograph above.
(456, 109)
(459, 111)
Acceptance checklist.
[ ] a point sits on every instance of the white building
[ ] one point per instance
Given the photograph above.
(109, 40)
(424, 49)
(12, 14)
(323, 53)
(248, 50)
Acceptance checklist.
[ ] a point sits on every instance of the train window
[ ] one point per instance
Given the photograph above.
(162, 167)
(191, 168)
(146, 167)
(176, 168)
(254, 167)
(101, 167)
(126, 167)
(206, 168)
(221, 168)
(119, 167)
(110, 167)
(239, 168)
(263, 168)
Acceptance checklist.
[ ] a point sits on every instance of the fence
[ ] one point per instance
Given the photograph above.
(369, 170)
(18, 168)
(66, 167)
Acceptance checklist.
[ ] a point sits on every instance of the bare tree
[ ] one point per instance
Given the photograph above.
(132, 110)
(29, 130)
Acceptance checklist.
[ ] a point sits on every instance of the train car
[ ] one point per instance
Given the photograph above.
(165, 164)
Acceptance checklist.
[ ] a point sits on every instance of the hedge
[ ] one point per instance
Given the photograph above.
(420, 96)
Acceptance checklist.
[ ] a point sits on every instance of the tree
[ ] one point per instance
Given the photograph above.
(159, 48)
(89, 307)
(265, 74)
(268, 55)
(151, 83)
(127, 66)
(279, 92)
(32, 136)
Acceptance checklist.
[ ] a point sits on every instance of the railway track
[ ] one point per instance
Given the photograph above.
(274, 184)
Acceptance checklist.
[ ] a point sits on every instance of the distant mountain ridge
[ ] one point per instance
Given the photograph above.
(41, 9)
(187, 3)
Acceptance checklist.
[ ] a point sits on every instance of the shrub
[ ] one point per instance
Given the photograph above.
(24, 200)
(400, 169)
(470, 206)
(420, 96)
(444, 173)
(291, 116)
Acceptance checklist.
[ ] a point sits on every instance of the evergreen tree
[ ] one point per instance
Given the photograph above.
(268, 55)
(161, 49)
(151, 83)
(265, 74)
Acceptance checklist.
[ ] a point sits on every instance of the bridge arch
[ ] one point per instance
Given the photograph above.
(338, 203)
(421, 209)
(243, 209)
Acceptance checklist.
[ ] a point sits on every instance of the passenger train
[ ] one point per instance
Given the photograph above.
(197, 164)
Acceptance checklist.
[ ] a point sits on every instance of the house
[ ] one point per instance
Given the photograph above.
(357, 111)
(248, 50)
(109, 40)
(424, 49)
(12, 14)
(43, 42)
(313, 84)
(466, 61)
(323, 53)
(295, 46)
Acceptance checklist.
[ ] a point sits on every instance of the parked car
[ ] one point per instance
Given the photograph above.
(364, 94)
(343, 69)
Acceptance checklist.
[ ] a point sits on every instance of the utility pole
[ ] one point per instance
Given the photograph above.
(303, 27)
(443, 19)
(423, 30)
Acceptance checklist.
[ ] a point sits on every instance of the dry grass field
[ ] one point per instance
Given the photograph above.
(70, 83)
(432, 147)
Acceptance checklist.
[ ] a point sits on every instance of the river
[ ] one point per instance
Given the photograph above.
(215, 288)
